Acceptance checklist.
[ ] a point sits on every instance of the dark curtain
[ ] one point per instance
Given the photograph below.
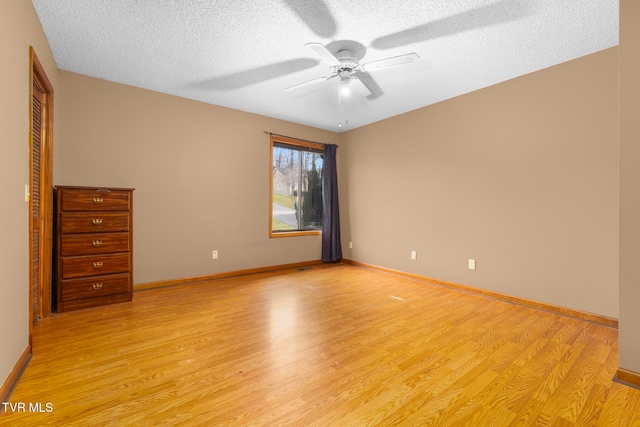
(331, 247)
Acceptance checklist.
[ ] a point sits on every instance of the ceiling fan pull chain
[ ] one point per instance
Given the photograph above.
(339, 108)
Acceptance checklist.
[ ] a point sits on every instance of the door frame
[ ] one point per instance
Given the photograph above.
(37, 74)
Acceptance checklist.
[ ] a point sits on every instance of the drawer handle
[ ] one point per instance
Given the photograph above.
(96, 221)
(98, 199)
(97, 243)
(97, 286)
(97, 264)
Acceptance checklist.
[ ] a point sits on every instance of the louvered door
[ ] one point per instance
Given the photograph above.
(36, 211)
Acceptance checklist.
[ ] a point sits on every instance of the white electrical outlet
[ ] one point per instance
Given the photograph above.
(350, 245)
(414, 255)
(214, 254)
(472, 264)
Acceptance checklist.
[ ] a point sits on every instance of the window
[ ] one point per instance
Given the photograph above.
(296, 187)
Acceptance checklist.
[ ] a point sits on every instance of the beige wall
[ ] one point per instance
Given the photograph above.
(521, 176)
(201, 175)
(629, 184)
(19, 29)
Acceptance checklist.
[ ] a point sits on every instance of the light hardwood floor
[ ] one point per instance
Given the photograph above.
(324, 346)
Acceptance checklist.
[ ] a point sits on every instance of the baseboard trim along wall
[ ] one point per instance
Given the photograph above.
(589, 317)
(13, 378)
(632, 379)
(208, 277)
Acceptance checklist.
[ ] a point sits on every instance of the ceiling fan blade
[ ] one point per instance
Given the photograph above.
(309, 83)
(357, 85)
(390, 62)
(370, 83)
(323, 53)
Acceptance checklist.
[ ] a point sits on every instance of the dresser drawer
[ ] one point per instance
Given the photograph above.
(93, 222)
(94, 287)
(80, 199)
(94, 265)
(98, 243)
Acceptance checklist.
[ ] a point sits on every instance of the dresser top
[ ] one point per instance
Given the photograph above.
(78, 187)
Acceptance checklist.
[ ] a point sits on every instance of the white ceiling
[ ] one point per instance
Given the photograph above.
(243, 54)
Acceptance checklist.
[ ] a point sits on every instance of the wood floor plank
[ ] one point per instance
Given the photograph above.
(321, 346)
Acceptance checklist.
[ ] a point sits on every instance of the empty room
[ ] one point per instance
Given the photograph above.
(321, 213)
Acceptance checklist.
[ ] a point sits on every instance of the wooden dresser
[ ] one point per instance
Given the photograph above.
(93, 248)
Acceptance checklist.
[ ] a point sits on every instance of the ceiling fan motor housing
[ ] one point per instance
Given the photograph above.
(348, 64)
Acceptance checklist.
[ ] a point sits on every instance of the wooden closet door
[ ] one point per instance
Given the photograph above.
(38, 137)
(40, 192)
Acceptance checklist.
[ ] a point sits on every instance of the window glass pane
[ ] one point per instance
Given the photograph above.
(311, 200)
(285, 188)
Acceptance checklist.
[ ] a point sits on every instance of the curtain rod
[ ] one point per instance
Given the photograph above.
(292, 137)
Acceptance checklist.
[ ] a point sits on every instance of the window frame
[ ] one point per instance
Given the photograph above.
(273, 141)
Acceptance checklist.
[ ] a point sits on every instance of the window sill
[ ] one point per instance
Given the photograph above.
(294, 233)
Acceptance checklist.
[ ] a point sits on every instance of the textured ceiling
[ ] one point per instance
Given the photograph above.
(243, 54)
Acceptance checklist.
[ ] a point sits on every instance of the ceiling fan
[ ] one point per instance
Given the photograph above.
(348, 68)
